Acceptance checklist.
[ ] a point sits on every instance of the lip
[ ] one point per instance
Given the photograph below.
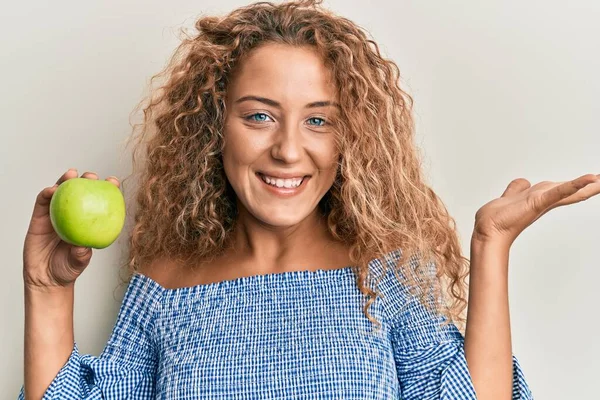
(298, 175)
(283, 192)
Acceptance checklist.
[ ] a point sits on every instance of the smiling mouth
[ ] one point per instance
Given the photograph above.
(279, 183)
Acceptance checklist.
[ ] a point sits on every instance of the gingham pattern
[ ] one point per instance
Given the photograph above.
(291, 335)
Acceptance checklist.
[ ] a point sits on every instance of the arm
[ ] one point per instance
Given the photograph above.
(497, 225)
(48, 336)
(125, 369)
(488, 348)
(429, 354)
(50, 268)
(53, 368)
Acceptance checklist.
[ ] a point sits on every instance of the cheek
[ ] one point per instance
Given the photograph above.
(239, 149)
(244, 145)
(326, 157)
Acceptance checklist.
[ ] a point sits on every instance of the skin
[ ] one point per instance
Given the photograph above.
(50, 268)
(272, 234)
(272, 124)
(488, 347)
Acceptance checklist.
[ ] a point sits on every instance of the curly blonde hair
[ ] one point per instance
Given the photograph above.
(379, 202)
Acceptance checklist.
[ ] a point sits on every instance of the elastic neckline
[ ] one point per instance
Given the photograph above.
(268, 281)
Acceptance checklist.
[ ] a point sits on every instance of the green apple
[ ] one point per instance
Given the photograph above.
(87, 212)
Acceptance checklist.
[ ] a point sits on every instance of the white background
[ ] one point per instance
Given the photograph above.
(503, 89)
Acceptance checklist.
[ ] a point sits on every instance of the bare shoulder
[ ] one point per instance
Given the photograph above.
(163, 271)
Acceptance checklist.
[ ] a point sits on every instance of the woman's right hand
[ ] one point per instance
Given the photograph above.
(48, 261)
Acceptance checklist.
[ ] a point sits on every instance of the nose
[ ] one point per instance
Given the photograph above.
(287, 145)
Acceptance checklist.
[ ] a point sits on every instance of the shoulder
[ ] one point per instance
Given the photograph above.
(162, 271)
(405, 301)
(174, 274)
(143, 297)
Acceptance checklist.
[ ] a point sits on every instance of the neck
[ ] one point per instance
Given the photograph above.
(279, 245)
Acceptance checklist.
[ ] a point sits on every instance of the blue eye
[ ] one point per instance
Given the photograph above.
(260, 119)
(318, 119)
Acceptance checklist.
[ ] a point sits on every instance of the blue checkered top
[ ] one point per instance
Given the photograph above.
(290, 335)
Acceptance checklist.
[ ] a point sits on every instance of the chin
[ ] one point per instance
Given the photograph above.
(281, 219)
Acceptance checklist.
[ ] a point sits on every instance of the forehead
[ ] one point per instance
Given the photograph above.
(290, 74)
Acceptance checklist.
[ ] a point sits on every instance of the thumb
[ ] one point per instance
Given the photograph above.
(516, 186)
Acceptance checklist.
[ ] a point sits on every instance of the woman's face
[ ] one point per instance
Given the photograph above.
(277, 134)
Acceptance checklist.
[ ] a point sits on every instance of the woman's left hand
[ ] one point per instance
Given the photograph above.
(503, 219)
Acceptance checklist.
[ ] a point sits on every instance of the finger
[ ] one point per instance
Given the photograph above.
(585, 180)
(42, 201)
(585, 193)
(71, 173)
(516, 186)
(551, 197)
(89, 175)
(114, 180)
(80, 256)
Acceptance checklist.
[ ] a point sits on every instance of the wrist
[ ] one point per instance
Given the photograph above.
(50, 299)
(485, 243)
(489, 259)
(41, 288)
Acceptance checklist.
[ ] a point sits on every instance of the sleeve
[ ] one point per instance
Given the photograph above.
(430, 359)
(127, 366)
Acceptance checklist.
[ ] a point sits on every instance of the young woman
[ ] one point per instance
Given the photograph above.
(282, 215)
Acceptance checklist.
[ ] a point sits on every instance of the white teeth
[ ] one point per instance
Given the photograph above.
(287, 183)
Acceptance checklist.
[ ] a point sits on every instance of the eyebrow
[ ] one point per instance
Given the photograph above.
(273, 103)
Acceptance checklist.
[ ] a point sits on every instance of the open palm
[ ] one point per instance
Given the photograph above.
(521, 204)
